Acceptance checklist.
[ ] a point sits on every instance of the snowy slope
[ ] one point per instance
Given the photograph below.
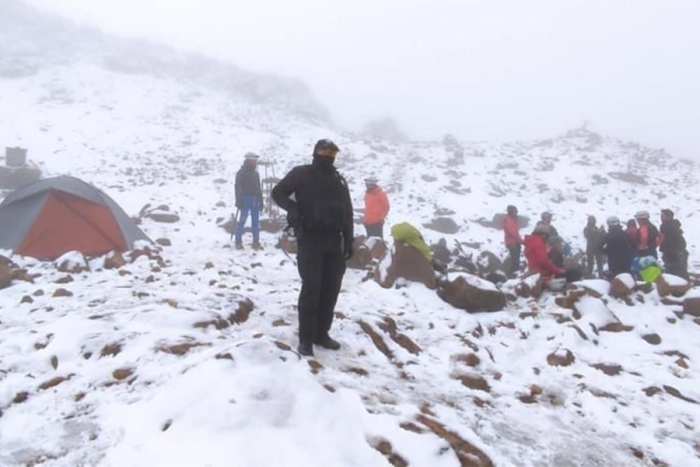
(161, 365)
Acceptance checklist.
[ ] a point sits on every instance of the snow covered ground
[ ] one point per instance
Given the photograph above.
(189, 360)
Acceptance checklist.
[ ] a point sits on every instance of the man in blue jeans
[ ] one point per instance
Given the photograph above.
(248, 199)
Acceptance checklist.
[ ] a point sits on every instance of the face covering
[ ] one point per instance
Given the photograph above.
(324, 161)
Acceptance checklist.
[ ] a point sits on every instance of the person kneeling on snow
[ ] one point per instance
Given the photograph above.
(538, 259)
(408, 234)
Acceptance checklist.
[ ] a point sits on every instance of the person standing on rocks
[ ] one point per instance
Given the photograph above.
(546, 220)
(594, 236)
(248, 200)
(322, 217)
(618, 246)
(513, 242)
(376, 208)
(672, 245)
(647, 235)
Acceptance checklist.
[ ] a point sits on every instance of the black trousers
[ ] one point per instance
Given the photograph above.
(514, 251)
(676, 263)
(598, 259)
(375, 230)
(321, 268)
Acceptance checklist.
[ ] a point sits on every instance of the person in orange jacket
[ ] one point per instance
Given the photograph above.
(513, 242)
(376, 208)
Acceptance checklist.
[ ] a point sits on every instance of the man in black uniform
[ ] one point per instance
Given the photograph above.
(673, 246)
(322, 217)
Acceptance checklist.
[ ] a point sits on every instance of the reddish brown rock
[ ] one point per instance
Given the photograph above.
(362, 256)
(288, 244)
(691, 306)
(408, 263)
(62, 293)
(665, 289)
(464, 294)
(561, 358)
(619, 290)
(6, 276)
(114, 260)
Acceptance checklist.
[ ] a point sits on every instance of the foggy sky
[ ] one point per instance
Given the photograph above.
(483, 70)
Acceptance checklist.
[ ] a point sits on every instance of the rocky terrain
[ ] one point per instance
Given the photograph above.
(182, 352)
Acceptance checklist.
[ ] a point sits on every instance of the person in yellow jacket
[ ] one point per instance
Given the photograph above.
(376, 208)
(406, 233)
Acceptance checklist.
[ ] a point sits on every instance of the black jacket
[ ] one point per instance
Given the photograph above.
(673, 240)
(321, 205)
(247, 183)
(619, 248)
(594, 239)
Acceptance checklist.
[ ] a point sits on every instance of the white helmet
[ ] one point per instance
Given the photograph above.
(613, 220)
(642, 215)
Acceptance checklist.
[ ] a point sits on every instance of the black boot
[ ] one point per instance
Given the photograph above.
(306, 349)
(327, 343)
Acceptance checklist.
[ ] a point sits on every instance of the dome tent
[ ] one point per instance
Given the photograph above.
(50, 217)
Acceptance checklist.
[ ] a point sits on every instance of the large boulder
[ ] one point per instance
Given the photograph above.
(488, 263)
(406, 262)
(362, 256)
(622, 286)
(471, 293)
(377, 247)
(6, 275)
(445, 225)
(691, 306)
(668, 284)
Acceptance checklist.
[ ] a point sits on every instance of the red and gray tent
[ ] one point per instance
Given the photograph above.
(54, 216)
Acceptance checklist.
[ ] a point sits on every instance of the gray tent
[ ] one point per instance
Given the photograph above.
(53, 216)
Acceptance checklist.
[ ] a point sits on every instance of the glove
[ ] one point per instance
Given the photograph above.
(261, 205)
(239, 203)
(348, 250)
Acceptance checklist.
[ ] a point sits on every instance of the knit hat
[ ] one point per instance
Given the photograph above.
(251, 156)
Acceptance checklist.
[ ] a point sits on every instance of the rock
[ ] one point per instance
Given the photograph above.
(406, 262)
(531, 286)
(164, 241)
(122, 373)
(471, 293)
(691, 306)
(272, 225)
(72, 262)
(229, 226)
(6, 276)
(443, 225)
(619, 287)
(288, 244)
(561, 358)
(114, 260)
(4, 260)
(62, 293)
(668, 284)
(362, 256)
(476, 382)
(377, 247)
(488, 263)
(653, 339)
(164, 217)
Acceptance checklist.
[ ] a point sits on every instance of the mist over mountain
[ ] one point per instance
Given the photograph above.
(182, 352)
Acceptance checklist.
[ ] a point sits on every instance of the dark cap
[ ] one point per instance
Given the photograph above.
(325, 144)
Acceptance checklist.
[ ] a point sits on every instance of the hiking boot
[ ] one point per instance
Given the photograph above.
(328, 343)
(306, 349)
(239, 245)
(257, 246)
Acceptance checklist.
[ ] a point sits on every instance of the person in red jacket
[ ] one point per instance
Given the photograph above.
(513, 242)
(376, 208)
(536, 253)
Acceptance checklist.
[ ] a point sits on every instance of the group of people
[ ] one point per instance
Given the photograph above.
(622, 249)
(319, 210)
(320, 213)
